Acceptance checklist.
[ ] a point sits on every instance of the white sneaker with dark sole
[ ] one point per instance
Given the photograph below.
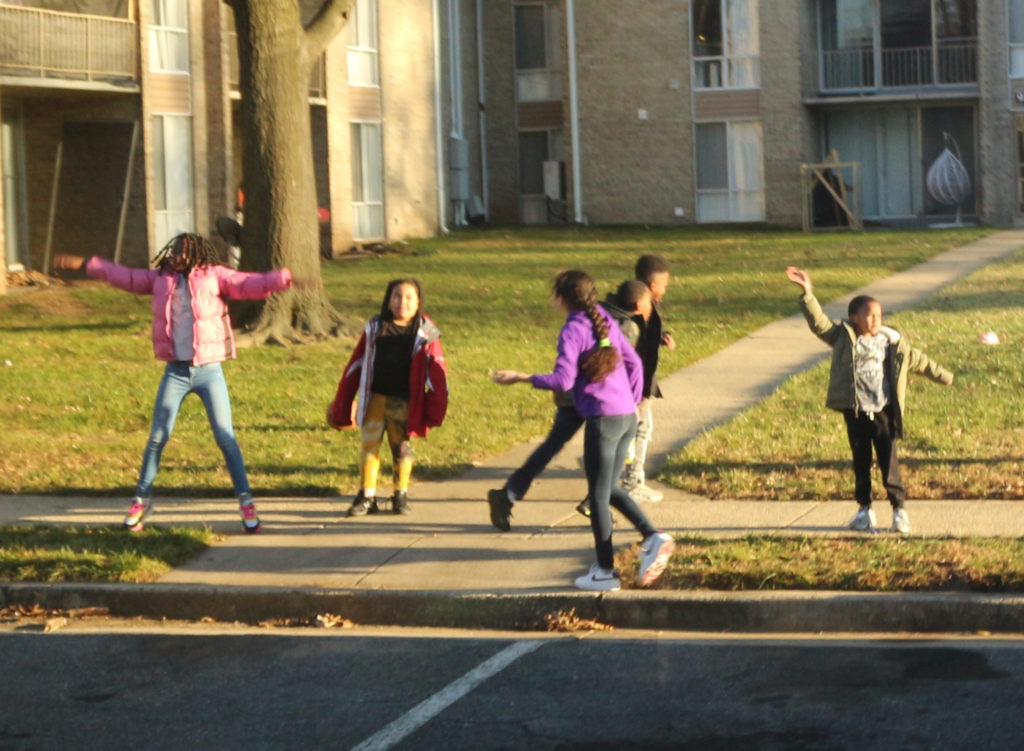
(599, 580)
(900, 521)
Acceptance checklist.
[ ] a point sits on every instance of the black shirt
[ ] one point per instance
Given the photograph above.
(392, 359)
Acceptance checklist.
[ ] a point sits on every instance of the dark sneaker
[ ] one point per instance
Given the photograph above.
(583, 507)
(501, 509)
(375, 507)
(400, 503)
(361, 505)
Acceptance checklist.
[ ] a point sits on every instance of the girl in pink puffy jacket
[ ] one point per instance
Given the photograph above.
(192, 334)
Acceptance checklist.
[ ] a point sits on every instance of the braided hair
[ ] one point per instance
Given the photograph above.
(576, 289)
(194, 249)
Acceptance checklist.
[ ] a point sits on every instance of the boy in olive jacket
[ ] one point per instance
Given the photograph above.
(868, 383)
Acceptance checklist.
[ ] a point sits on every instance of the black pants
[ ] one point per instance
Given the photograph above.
(864, 433)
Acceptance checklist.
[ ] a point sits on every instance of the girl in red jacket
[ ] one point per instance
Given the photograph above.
(192, 334)
(398, 373)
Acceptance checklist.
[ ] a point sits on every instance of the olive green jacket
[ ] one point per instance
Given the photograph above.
(900, 358)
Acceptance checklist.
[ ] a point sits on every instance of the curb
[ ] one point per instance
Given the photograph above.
(738, 612)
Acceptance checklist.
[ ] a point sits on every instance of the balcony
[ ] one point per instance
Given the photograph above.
(870, 70)
(64, 47)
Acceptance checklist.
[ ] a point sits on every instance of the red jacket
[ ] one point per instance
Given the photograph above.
(428, 380)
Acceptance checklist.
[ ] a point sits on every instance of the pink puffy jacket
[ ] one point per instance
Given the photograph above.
(210, 286)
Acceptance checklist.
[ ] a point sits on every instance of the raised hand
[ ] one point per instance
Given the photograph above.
(799, 277)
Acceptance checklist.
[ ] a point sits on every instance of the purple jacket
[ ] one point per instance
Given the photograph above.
(618, 393)
(213, 340)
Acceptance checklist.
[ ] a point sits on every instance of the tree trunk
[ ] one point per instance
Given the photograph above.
(276, 55)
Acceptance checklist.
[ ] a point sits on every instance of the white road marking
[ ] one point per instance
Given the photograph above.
(426, 710)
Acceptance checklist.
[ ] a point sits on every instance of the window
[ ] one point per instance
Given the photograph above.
(363, 69)
(367, 182)
(538, 151)
(1016, 27)
(730, 182)
(168, 36)
(726, 44)
(172, 176)
(537, 53)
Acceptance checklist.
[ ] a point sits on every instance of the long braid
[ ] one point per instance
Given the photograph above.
(577, 290)
(195, 249)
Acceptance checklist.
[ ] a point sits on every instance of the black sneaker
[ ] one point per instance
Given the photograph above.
(361, 505)
(400, 503)
(583, 507)
(501, 509)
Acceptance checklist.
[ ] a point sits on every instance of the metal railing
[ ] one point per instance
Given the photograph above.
(867, 68)
(51, 44)
(317, 81)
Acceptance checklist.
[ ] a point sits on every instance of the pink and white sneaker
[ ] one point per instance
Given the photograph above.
(137, 512)
(654, 554)
(250, 521)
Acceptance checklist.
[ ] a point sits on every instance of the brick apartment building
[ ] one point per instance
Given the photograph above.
(119, 117)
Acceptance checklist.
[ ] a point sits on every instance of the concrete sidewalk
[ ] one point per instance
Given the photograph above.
(447, 546)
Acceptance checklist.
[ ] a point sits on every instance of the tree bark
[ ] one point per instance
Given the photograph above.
(276, 56)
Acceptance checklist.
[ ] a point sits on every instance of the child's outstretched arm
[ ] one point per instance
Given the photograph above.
(820, 324)
(919, 362)
(136, 281)
(247, 285)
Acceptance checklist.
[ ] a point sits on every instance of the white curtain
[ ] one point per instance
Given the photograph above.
(168, 36)
(367, 182)
(172, 154)
(363, 45)
(746, 172)
(744, 42)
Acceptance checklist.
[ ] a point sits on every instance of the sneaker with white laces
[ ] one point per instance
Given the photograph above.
(900, 521)
(643, 493)
(137, 512)
(864, 520)
(250, 520)
(599, 580)
(654, 554)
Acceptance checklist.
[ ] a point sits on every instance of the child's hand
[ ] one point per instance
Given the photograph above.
(68, 261)
(667, 340)
(330, 417)
(799, 277)
(508, 377)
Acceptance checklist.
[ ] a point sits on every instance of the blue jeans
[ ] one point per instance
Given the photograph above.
(180, 380)
(567, 422)
(605, 443)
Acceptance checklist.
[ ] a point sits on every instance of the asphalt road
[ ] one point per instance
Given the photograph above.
(151, 686)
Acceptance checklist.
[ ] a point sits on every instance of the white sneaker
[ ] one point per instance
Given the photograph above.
(655, 552)
(864, 520)
(900, 521)
(644, 494)
(599, 580)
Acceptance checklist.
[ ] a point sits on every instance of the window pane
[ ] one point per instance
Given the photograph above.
(356, 160)
(374, 163)
(846, 23)
(531, 49)
(1017, 21)
(178, 162)
(533, 151)
(707, 28)
(955, 19)
(712, 160)
(906, 23)
(159, 179)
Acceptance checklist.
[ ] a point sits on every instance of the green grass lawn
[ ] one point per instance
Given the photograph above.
(96, 554)
(81, 381)
(965, 441)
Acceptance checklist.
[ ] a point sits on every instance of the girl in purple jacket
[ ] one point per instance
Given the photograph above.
(605, 376)
(192, 334)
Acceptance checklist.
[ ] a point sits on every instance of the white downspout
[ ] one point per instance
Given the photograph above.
(438, 127)
(454, 10)
(481, 99)
(574, 113)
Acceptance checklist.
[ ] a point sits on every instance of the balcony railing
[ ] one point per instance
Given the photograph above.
(50, 44)
(317, 81)
(859, 69)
